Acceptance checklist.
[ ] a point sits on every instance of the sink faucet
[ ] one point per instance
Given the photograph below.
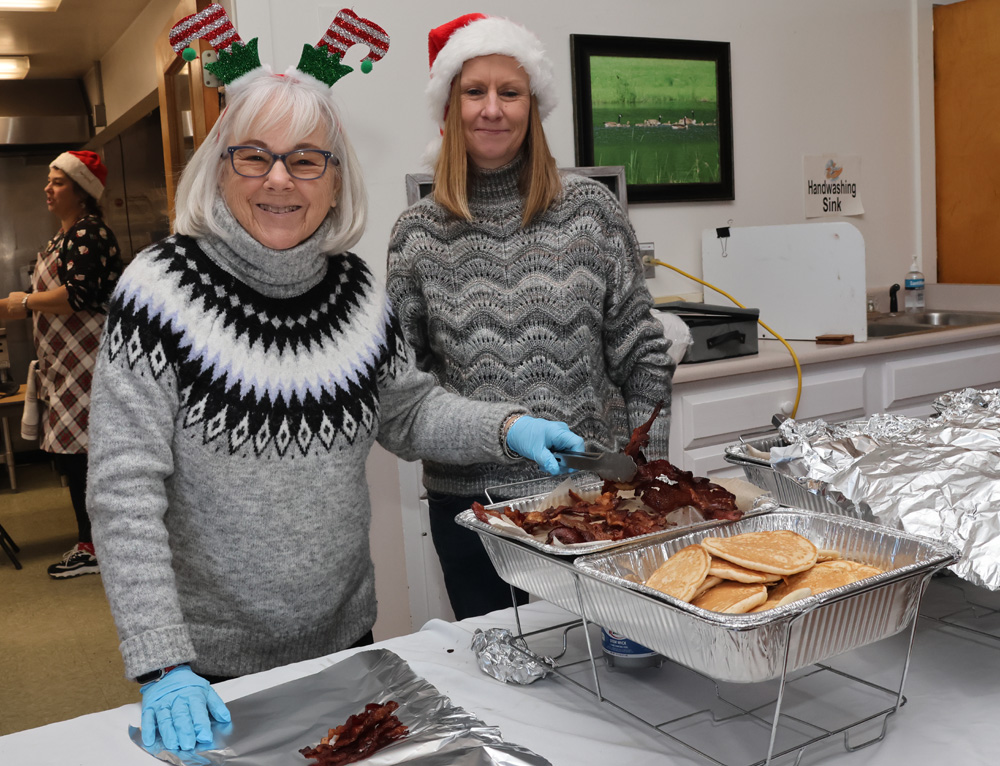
(893, 303)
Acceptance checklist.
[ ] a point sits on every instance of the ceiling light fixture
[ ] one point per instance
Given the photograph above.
(29, 5)
(13, 67)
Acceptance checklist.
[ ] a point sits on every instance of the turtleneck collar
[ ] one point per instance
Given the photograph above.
(275, 273)
(497, 187)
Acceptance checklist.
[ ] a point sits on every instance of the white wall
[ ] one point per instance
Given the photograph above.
(809, 77)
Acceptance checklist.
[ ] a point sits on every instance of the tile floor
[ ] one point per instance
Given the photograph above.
(58, 647)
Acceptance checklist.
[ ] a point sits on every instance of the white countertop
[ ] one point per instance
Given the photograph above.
(772, 354)
(952, 690)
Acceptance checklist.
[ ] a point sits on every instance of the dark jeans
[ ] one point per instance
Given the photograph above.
(74, 468)
(473, 585)
(366, 640)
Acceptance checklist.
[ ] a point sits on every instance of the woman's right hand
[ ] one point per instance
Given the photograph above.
(179, 706)
(15, 306)
(535, 438)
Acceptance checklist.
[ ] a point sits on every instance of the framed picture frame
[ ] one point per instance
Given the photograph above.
(660, 108)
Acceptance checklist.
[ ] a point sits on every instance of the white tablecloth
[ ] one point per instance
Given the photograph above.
(953, 692)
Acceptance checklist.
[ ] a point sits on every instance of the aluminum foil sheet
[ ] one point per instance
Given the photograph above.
(499, 658)
(938, 477)
(940, 491)
(748, 648)
(969, 398)
(270, 727)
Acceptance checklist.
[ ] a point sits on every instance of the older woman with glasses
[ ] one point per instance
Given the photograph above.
(249, 365)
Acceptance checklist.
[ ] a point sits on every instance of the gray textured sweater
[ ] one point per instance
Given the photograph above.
(555, 315)
(237, 394)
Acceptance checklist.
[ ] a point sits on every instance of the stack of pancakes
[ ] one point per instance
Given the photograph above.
(754, 571)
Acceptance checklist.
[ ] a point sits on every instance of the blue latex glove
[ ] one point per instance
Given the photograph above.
(178, 706)
(534, 437)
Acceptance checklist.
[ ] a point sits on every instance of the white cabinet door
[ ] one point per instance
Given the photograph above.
(913, 381)
(709, 415)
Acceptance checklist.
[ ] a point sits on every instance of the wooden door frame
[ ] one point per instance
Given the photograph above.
(204, 99)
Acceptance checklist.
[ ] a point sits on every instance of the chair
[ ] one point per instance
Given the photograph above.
(9, 404)
(9, 547)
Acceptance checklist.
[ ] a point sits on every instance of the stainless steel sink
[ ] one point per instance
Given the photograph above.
(896, 324)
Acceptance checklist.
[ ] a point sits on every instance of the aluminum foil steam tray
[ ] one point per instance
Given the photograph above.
(746, 648)
(810, 495)
(546, 570)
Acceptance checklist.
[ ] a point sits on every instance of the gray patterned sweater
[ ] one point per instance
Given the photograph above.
(555, 315)
(237, 395)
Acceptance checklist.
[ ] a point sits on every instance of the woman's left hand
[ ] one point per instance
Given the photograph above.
(534, 438)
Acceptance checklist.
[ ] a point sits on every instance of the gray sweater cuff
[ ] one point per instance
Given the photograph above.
(156, 648)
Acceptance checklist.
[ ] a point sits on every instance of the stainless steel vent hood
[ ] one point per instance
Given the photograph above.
(43, 112)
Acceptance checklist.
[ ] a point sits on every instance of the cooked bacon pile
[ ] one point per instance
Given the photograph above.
(662, 487)
(358, 737)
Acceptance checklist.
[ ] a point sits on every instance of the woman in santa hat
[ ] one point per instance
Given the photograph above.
(70, 286)
(516, 283)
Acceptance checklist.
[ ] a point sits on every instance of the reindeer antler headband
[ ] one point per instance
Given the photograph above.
(236, 58)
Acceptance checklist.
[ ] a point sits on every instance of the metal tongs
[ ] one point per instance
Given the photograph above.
(612, 466)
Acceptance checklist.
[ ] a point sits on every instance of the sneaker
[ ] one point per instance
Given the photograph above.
(75, 562)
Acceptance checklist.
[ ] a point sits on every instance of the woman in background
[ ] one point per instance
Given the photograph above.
(70, 286)
(516, 284)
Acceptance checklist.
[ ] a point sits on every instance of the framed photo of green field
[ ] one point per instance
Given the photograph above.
(662, 109)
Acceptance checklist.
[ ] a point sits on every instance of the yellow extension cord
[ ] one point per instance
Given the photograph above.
(798, 367)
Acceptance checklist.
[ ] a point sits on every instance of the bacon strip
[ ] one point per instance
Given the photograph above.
(359, 736)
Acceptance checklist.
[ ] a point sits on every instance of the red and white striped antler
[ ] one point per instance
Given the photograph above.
(211, 24)
(350, 29)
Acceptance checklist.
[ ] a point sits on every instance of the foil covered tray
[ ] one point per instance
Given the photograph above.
(937, 476)
(270, 726)
(746, 648)
(751, 456)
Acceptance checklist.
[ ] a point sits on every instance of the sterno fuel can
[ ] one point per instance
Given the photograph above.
(621, 652)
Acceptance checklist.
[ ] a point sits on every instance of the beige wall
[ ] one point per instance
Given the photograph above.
(129, 69)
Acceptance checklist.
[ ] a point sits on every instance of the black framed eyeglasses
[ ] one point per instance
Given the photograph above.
(304, 164)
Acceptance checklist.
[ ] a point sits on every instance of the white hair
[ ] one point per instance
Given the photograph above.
(297, 103)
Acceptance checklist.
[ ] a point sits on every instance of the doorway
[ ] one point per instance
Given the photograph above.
(967, 140)
(188, 106)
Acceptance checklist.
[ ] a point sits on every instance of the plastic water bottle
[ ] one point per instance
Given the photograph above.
(914, 298)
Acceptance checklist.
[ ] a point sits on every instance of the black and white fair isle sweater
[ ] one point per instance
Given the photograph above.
(555, 315)
(237, 395)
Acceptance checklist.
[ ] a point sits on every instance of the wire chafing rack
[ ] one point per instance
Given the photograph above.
(768, 680)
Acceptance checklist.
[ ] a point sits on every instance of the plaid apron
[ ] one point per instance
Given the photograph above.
(67, 352)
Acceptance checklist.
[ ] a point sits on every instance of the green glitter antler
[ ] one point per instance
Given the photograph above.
(321, 65)
(242, 59)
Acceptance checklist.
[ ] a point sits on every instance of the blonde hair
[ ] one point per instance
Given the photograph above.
(538, 184)
(298, 107)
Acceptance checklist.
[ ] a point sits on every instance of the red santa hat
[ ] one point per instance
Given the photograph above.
(85, 168)
(475, 34)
